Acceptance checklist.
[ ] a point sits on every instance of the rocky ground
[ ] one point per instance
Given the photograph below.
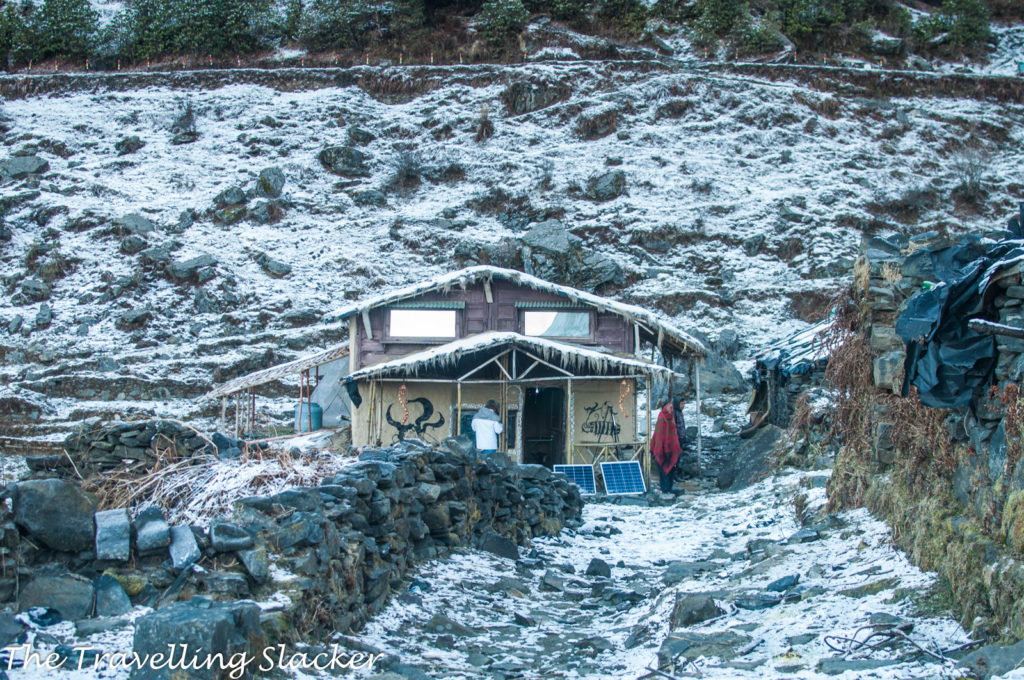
(720, 585)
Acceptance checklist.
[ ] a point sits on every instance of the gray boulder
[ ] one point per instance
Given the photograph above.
(135, 224)
(272, 267)
(56, 513)
(111, 600)
(128, 145)
(44, 316)
(184, 548)
(70, 594)
(719, 376)
(994, 659)
(270, 182)
(229, 196)
(693, 608)
(35, 290)
(151, 530)
(113, 535)
(344, 160)
(606, 186)
(500, 546)
(599, 567)
(184, 270)
(20, 167)
(552, 237)
(226, 537)
(226, 629)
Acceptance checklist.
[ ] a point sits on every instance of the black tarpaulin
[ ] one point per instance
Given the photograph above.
(946, 360)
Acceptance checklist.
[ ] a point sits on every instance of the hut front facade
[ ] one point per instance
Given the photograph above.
(565, 366)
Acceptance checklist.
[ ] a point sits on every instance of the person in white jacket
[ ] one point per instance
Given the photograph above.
(487, 426)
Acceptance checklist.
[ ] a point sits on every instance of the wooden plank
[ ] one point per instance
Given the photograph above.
(992, 328)
(367, 326)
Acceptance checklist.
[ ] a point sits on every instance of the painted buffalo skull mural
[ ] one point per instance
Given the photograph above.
(420, 425)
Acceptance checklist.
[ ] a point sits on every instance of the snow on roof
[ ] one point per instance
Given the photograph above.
(462, 278)
(274, 372)
(568, 356)
(803, 347)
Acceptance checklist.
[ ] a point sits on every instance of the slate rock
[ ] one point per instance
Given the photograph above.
(44, 316)
(189, 268)
(226, 629)
(151, 530)
(679, 571)
(750, 463)
(184, 548)
(344, 160)
(226, 537)
(113, 535)
(755, 601)
(783, 584)
(20, 167)
(724, 645)
(994, 659)
(256, 563)
(552, 237)
(693, 608)
(606, 186)
(272, 267)
(805, 536)
(370, 197)
(11, 629)
(135, 224)
(229, 196)
(524, 620)
(500, 546)
(34, 290)
(836, 666)
(134, 318)
(133, 243)
(69, 594)
(599, 567)
(56, 513)
(442, 625)
(111, 600)
(129, 144)
(270, 182)
(358, 135)
(552, 580)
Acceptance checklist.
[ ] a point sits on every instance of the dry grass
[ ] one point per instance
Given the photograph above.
(197, 489)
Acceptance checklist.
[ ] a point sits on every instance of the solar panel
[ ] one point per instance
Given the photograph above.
(623, 478)
(581, 475)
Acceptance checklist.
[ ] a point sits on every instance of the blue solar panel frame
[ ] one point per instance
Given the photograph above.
(623, 478)
(580, 475)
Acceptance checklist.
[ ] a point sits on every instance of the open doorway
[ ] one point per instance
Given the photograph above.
(544, 426)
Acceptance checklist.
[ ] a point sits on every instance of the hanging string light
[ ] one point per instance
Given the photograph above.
(403, 401)
(624, 390)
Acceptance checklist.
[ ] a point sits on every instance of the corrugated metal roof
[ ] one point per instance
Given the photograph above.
(275, 372)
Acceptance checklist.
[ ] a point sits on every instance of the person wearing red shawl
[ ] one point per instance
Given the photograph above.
(665, 446)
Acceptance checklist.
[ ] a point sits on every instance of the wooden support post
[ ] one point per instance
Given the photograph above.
(650, 402)
(458, 409)
(309, 403)
(700, 465)
(569, 412)
(366, 324)
(487, 292)
(636, 339)
(224, 412)
(992, 328)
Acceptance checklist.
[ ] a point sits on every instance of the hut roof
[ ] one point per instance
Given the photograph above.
(569, 357)
(281, 370)
(659, 330)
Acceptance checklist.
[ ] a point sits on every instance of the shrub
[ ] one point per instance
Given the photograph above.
(501, 19)
(566, 10)
(63, 28)
(964, 21)
(198, 26)
(630, 15)
(14, 32)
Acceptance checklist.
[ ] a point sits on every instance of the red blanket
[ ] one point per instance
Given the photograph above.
(665, 442)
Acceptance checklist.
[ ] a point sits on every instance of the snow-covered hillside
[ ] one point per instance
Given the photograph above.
(744, 205)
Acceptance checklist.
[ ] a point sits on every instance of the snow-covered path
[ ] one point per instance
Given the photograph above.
(476, 615)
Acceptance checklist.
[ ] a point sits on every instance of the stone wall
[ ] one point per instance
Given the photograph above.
(331, 555)
(942, 478)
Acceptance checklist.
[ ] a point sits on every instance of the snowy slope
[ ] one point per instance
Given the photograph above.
(763, 189)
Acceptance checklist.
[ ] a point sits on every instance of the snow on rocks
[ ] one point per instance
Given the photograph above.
(551, 614)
